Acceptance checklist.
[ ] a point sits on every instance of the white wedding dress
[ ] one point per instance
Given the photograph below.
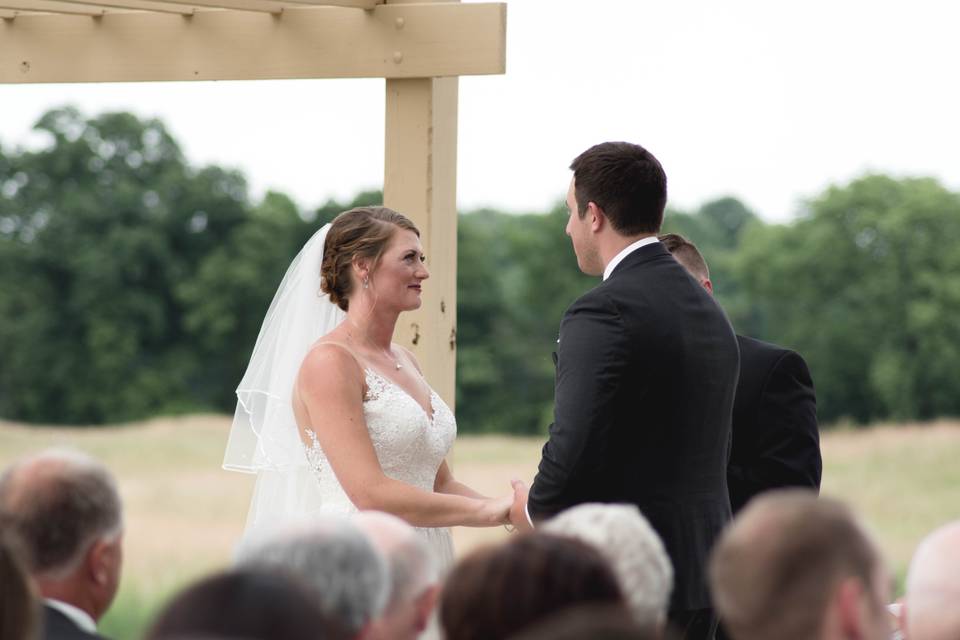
(296, 482)
(410, 446)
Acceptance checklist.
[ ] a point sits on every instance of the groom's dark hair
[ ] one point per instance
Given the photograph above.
(626, 181)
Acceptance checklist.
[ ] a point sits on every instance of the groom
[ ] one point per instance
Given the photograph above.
(646, 371)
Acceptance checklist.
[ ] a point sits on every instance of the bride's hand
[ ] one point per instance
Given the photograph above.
(497, 510)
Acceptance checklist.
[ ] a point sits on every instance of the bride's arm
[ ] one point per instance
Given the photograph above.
(330, 385)
(446, 483)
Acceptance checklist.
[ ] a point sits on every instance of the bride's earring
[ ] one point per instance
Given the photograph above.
(366, 282)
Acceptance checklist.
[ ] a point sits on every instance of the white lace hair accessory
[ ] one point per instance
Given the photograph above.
(264, 434)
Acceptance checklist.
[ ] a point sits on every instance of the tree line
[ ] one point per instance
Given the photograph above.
(133, 284)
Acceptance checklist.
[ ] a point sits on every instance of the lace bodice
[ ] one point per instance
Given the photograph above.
(410, 446)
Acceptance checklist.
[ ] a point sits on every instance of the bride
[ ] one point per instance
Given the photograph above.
(335, 417)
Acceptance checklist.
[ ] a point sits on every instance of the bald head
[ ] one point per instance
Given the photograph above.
(413, 576)
(933, 587)
(412, 568)
(61, 502)
(779, 570)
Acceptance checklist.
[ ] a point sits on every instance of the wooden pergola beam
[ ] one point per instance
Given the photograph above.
(355, 4)
(420, 181)
(134, 5)
(67, 8)
(261, 6)
(388, 41)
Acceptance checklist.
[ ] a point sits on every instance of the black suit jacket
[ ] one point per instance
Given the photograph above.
(646, 373)
(57, 626)
(775, 438)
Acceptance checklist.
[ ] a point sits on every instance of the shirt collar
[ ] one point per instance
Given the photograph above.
(78, 616)
(617, 259)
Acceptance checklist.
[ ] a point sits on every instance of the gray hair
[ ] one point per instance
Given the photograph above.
(412, 565)
(334, 559)
(61, 502)
(634, 550)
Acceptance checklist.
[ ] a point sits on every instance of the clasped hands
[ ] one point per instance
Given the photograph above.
(517, 516)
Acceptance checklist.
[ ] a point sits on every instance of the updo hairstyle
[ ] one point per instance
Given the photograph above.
(363, 232)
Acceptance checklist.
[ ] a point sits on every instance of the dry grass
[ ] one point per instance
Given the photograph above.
(184, 514)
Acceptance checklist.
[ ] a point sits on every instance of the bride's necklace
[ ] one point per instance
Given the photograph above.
(388, 354)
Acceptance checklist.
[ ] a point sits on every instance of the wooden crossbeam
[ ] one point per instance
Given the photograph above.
(260, 6)
(355, 4)
(137, 5)
(389, 41)
(54, 6)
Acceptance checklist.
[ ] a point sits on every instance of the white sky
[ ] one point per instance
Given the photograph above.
(767, 101)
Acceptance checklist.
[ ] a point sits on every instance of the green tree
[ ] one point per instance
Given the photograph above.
(97, 230)
(864, 287)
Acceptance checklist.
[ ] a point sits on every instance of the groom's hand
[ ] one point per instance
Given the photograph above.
(518, 512)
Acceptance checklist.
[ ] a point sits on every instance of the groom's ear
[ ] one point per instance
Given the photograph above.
(596, 216)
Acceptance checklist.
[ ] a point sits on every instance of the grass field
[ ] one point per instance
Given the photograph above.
(184, 514)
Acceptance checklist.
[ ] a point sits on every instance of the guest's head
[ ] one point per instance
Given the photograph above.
(66, 508)
(634, 550)
(335, 559)
(793, 566)
(499, 591)
(618, 190)
(247, 603)
(374, 252)
(413, 576)
(19, 611)
(931, 609)
(593, 622)
(687, 254)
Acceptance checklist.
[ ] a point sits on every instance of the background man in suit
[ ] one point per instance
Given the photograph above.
(66, 509)
(776, 442)
(646, 371)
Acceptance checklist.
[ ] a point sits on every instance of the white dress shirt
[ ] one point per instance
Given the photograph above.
(617, 259)
(78, 616)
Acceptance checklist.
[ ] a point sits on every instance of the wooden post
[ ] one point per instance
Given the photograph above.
(420, 178)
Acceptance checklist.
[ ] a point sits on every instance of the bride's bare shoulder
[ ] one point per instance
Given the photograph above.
(331, 366)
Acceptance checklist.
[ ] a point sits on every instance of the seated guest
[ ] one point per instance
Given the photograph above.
(795, 567)
(931, 608)
(413, 576)
(498, 591)
(19, 610)
(250, 604)
(593, 623)
(335, 559)
(634, 550)
(66, 508)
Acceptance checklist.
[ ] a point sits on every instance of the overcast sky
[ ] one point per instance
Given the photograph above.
(767, 101)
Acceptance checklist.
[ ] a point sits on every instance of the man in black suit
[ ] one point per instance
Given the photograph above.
(66, 509)
(776, 442)
(646, 372)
